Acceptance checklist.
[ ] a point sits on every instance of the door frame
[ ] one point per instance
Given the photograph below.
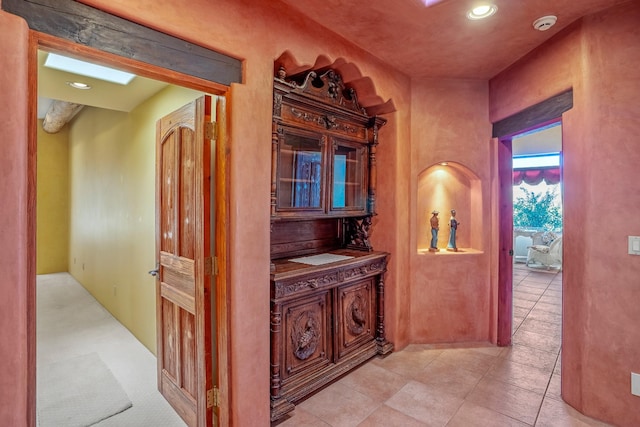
(220, 199)
(538, 115)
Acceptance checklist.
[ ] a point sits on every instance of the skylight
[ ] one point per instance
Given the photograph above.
(536, 161)
(75, 66)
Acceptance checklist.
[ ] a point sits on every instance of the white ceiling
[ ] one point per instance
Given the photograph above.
(52, 84)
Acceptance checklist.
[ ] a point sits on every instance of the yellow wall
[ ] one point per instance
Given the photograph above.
(112, 207)
(52, 201)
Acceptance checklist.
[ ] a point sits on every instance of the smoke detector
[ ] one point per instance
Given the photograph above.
(544, 23)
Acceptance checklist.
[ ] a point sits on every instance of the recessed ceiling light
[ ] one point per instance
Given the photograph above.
(482, 11)
(79, 85)
(87, 69)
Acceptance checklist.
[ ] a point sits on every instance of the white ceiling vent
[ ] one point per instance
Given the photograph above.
(544, 23)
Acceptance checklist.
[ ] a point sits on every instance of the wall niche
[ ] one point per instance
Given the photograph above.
(445, 186)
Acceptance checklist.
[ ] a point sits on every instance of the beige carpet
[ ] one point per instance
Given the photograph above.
(71, 324)
(79, 392)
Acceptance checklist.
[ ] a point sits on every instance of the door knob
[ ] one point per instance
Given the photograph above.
(156, 271)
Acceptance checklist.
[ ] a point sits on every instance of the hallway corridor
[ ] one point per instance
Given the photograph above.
(462, 385)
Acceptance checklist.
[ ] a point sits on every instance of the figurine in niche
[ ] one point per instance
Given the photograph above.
(435, 226)
(453, 227)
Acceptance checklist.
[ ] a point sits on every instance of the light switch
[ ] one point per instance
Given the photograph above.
(635, 384)
(634, 245)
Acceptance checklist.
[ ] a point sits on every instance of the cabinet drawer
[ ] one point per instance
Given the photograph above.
(355, 311)
(307, 337)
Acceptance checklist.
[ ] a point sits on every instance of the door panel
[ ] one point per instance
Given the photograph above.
(356, 312)
(183, 209)
(307, 343)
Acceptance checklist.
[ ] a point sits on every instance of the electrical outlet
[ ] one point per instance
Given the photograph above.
(635, 384)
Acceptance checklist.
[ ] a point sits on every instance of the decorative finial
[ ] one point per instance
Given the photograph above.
(282, 73)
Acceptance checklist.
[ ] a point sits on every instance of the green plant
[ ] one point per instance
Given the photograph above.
(537, 210)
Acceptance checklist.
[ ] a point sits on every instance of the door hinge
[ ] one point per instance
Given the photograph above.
(213, 397)
(211, 266)
(211, 130)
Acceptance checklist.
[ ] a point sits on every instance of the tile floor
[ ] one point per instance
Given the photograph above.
(462, 385)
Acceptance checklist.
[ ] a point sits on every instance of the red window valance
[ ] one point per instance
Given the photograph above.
(535, 176)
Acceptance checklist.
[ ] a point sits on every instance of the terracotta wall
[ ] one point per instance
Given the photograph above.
(17, 250)
(599, 57)
(450, 292)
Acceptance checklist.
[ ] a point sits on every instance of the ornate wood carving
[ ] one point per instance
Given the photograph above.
(305, 333)
(318, 105)
(332, 323)
(311, 283)
(277, 104)
(332, 313)
(358, 232)
(327, 87)
(357, 318)
(276, 324)
(324, 279)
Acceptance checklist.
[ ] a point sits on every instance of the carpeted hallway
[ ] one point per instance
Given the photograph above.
(72, 324)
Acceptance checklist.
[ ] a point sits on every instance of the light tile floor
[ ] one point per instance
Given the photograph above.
(462, 385)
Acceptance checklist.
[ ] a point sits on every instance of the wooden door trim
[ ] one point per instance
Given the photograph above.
(538, 115)
(85, 25)
(57, 45)
(505, 243)
(221, 213)
(548, 110)
(32, 150)
(38, 40)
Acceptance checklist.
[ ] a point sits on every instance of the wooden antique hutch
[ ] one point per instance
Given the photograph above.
(327, 282)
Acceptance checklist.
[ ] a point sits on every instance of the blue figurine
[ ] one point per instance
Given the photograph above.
(453, 227)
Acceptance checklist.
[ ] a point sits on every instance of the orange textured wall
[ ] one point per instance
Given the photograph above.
(600, 58)
(451, 293)
(16, 247)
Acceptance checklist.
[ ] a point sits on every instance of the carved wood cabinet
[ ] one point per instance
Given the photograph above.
(327, 282)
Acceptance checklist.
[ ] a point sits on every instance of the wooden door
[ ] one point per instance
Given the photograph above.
(183, 246)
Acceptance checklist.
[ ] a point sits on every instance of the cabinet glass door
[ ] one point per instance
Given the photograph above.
(348, 177)
(300, 172)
